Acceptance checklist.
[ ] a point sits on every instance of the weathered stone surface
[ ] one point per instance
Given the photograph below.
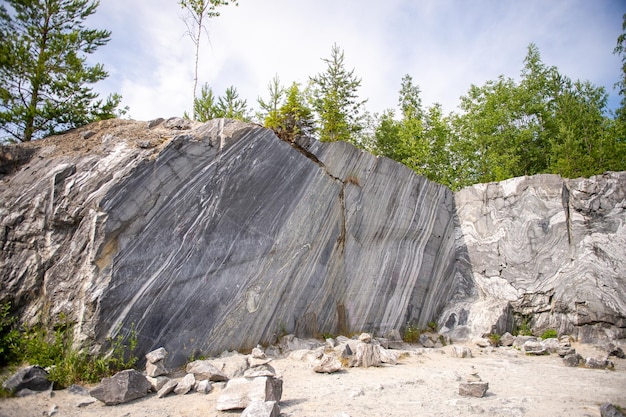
(534, 348)
(185, 385)
(609, 410)
(598, 363)
(261, 370)
(239, 393)
(461, 351)
(573, 360)
(155, 369)
(122, 387)
(156, 383)
(203, 387)
(301, 235)
(156, 355)
(365, 355)
(328, 365)
(473, 389)
(168, 387)
(33, 378)
(232, 364)
(507, 339)
(262, 409)
(204, 369)
(549, 248)
(222, 223)
(387, 356)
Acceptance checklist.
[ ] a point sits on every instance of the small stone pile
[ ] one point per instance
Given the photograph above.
(252, 387)
(562, 346)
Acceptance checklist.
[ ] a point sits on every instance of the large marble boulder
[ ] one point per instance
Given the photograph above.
(545, 248)
(219, 236)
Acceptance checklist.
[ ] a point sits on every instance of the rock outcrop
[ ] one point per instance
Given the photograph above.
(548, 250)
(216, 237)
(219, 236)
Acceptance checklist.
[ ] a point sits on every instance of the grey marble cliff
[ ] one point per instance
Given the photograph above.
(222, 237)
(206, 237)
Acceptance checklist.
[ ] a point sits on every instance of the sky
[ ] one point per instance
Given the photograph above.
(444, 45)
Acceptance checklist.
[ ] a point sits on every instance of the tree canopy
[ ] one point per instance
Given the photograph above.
(44, 78)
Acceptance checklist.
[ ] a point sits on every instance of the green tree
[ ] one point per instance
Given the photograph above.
(269, 109)
(197, 13)
(205, 106)
(230, 106)
(295, 117)
(44, 77)
(620, 50)
(335, 100)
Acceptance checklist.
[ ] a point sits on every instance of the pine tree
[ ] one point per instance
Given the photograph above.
(44, 77)
(335, 99)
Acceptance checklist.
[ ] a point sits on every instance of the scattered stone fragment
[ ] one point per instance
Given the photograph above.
(156, 383)
(595, 363)
(252, 361)
(426, 341)
(366, 355)
(87, 134)
(33, 378)
(609, 410)
(573, 360)
(387, 356)
(78, 390)
(156, 355)
(473, 389)
(257, 353)
(155, 369)
(177, 123)
(482, 342)
(507, 339)
(551, 345)
(84, 402)
(261, 370)
(203, 369)
(203, 387)
(461, 351)
(365, 338)
(144, 144)
(239, 393)
(330, 343)
(262, 409)
(613, 350)
(519, 341)
(233, 365)
(328, 365)
(122, 387)
(168, 387)
(563, 351)
(533, 347)
(52, 411)
(155, 122)
(185, 385)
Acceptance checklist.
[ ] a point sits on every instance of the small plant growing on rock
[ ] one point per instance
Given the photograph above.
(549, 334)
(411, 334)
(494, 339)
(432, 326)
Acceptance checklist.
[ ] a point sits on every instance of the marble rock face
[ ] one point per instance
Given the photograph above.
(547, 248)
(218, 236)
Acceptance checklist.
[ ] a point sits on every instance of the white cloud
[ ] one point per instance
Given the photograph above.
(445, 45)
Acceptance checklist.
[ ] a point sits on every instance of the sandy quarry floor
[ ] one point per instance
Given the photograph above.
(422, 384)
